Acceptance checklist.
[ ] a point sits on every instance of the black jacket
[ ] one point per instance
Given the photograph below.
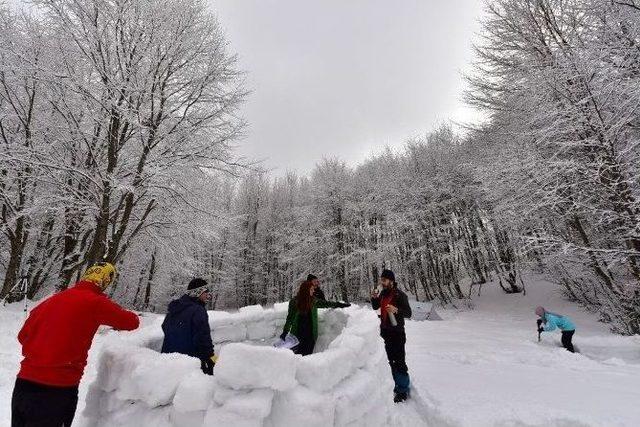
(399, 300)
(186, 329)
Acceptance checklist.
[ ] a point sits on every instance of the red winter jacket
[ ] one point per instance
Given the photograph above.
(57, 335)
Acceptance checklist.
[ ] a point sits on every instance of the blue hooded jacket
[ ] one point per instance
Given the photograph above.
(553, 321)
(186, 329)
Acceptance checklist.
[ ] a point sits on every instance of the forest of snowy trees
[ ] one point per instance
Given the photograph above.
(421, 212)
(117, 125)
(112, 116)
(561, 153)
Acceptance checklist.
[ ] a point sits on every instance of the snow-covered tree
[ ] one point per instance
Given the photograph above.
(108, 108)
(561, 83)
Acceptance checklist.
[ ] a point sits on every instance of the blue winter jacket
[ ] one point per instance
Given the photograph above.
(553, 321)
(186, 329)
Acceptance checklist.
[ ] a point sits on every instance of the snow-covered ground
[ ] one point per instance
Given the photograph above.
(485, 367)
(476, 368)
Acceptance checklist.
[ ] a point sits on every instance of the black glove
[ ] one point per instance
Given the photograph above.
(283, 336)
(345, 305)
(540, 330)
(207, 365)
(539, 322)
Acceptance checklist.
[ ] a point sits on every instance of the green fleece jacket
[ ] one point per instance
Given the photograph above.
(293, 316)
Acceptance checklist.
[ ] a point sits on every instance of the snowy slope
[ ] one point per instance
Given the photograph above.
(476, 368)
(485, 367)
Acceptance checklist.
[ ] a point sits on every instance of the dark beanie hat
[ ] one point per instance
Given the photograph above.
(197, 283)
(311, 277)
(388, 274)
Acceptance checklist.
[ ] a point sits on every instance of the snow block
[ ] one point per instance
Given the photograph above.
(218, 416)
(253, 404)
(281, 307)
(187, 419)
(346, 382)
(356, 396)
(194, 393)
(250, 313)
(229, 333)
(261, 330)
(322, 371)
(243, 366)
(220, 318)
(242, 409)
(302, 407)
(354, 343)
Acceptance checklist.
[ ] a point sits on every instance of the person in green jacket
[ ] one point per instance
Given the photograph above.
(302, 318)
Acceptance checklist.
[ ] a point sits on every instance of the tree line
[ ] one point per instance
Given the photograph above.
(117, 124)
(112, 116)
(420, 211)
(559, 81)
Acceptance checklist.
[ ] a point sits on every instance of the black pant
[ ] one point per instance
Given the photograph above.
(39, 405)
(567, 336)
(305, 347)
(394, 342)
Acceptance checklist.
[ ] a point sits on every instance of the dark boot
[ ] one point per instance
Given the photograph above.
(400, 397)
(566, 340)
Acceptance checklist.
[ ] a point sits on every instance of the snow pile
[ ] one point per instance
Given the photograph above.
(345, 383)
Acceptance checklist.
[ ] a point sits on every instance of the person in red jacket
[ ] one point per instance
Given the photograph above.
(55, 343)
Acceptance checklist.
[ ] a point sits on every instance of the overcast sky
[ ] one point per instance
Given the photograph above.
(344, 78)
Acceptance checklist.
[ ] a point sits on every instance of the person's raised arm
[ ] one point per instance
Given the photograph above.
(111, 314)
(331, 304)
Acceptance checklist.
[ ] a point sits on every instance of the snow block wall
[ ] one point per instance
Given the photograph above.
(347, 382)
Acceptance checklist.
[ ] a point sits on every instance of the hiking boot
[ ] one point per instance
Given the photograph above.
(400, 397)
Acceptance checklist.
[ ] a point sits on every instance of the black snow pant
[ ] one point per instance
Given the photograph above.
(394, 342)
(567, 336)
(305, 347)
(39, 405)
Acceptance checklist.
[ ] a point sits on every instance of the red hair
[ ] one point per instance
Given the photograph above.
(304, 299)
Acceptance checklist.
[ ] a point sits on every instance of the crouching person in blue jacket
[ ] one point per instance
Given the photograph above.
(186, 326)
(549, 321)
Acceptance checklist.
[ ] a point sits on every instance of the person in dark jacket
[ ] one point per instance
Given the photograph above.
(316, 282)
(394, 308)
(55, 342)
(186, 326)
(302, 317)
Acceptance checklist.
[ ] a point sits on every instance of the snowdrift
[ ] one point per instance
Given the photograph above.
(345, 383)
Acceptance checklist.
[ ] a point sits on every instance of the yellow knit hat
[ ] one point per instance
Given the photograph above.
(99, 273)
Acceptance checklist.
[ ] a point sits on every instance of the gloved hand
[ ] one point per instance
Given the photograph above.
(345, 305)
(207, 364)
(540, 329)
(283, 336)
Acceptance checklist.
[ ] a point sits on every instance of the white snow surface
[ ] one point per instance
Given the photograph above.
(481, 367)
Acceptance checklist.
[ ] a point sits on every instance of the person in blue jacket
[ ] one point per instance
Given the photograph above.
(549, 321)
(186, 326)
